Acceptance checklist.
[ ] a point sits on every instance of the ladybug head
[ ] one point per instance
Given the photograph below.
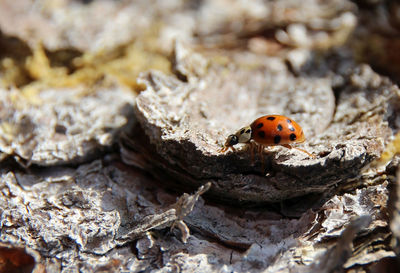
(231, 140)
(241, 136)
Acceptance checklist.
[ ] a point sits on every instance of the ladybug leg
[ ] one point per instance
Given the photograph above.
(251, 147)
(301, 150)
(304, 151)
(261, 154)
(287, 146)
(260, 151)
(252, 152)
(225, 148)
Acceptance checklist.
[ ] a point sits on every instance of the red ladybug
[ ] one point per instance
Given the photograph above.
(269, 130)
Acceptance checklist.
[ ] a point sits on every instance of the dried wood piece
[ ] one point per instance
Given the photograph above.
(199, 21)
(62, 125)
(284, 243)
(187, 122)
(92, 212)
(72, 215)
(334, 258)
(394, 209)
(172, 217)
(37, 23)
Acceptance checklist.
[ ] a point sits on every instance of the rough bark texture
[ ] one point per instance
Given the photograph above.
(62, 126)
(188, 122)
(97, 162)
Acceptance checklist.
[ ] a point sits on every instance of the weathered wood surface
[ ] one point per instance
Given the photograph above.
(96, 159)
(188, 122)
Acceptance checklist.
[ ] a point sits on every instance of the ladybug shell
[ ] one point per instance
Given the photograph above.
(276, 130)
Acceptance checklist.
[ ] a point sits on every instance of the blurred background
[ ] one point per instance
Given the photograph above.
(65, 43)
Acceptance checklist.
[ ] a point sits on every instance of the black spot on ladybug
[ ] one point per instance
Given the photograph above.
(279, 127)
(242, 132)
(271, 118)
(289, 121)
(292, 137)
(291, 128)
(248, 131)
(261, 134)
(277, 139)
(260, 125)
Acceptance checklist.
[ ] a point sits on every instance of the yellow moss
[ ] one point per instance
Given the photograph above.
(31, 94)
(337, 38)
(220, 60)
(123, 65)
(392, 149)
(39, 67)
(7, 131)
(12, 73)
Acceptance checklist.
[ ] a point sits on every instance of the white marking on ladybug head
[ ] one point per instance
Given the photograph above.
(244, 134)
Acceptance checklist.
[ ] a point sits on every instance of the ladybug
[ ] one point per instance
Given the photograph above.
(269, 130)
